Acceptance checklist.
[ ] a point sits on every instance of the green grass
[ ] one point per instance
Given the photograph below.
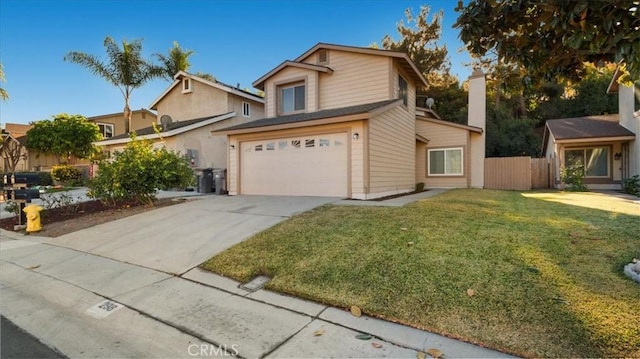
(546, 268)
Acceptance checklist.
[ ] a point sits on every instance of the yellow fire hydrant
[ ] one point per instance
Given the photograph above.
(33, 217)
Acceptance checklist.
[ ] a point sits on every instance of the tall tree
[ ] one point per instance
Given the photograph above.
(420, 41)
(206, 76)
(3, 93)
(125, 68)
(553, 38)
(175, 61)
(65, 137)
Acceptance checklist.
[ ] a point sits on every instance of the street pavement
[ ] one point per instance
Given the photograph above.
(16, 343)
(131, 289)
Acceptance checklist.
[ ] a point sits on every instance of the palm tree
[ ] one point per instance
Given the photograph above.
(3, 93)
(177, 60)
(125, 68)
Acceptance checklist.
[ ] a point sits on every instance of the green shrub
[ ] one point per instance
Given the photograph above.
(138, 172)
(12, 207)
(632, 185)
(66, 174)
(573, 177)
(419, 186)
(45, 179)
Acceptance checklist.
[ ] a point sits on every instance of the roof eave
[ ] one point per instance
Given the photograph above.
(613, 85)
(292, 125)
(259, 83)
(451, 124)
(170, 133)
(596, 139)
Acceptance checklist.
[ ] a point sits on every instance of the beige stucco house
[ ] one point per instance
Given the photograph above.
(188, 110)
(607, 146)
(342, 121)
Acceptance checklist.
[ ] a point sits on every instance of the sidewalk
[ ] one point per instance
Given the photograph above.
(54, 293)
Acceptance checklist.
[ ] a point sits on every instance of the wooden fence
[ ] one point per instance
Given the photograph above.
(517, 173)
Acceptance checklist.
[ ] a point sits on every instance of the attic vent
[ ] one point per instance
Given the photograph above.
(323, 56)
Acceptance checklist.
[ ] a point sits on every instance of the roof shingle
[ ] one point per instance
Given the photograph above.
(317, 115)
(587, 127)
(170, 127)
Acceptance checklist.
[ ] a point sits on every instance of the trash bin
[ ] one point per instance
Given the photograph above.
(205, 184)
(220, 180)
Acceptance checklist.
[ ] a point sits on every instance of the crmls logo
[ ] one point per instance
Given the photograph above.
(210, 350)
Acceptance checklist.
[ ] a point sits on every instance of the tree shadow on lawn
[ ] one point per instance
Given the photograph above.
(546, 277)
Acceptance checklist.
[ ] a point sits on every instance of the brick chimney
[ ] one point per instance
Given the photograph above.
(477, 118)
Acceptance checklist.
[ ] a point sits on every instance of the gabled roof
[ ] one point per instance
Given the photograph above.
(172, 129)
(588, 127)
(17, 129)
(583, 129)
(217, 84)
(259, 83)
(340, 114)
(404, 60)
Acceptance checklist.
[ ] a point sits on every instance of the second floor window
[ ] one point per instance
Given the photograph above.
(403, 90)
(246, 109)
(106, 129)
(292, 99)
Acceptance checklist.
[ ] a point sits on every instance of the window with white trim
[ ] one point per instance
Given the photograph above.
(292, 98)
(594, 160)
(445, 162)
(186, 85)
(246, 109)
(106, 129)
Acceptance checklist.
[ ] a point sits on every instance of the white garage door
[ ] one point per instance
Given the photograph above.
(297, 166)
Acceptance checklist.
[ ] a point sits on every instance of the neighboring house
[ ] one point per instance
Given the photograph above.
(607, 146)
(13, 152)
(113, 124)
(342, 121)
(110, 125)
(189, 109)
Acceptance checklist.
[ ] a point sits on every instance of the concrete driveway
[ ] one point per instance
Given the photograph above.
(177, 238)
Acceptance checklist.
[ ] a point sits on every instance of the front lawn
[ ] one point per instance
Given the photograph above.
(533, 274)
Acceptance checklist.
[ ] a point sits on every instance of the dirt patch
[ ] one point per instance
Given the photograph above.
(60, 221)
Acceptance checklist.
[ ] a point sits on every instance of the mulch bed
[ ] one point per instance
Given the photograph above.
(80, 210)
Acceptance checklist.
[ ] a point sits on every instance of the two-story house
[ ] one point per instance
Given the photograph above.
(342, 121)
(188, 110)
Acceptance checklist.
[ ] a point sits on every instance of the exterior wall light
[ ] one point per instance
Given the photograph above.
(233, 147)
(356, 136)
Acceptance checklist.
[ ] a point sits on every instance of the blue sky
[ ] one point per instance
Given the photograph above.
(236, 41)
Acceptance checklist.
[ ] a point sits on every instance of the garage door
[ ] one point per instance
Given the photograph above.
(295, 166)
